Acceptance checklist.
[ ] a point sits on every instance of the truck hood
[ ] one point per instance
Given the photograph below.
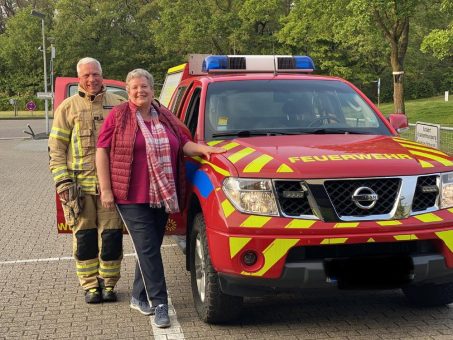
(331, 156)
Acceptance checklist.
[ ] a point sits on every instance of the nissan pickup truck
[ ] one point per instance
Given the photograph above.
(316, 188)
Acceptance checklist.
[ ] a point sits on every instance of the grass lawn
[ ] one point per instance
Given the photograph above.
(429, 110)
(23, 114)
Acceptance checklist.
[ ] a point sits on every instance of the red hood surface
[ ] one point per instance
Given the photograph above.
(332, 156)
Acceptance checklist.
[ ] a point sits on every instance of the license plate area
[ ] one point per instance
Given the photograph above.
(376, 272)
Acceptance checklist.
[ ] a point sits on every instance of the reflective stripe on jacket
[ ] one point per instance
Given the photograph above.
(72, 140)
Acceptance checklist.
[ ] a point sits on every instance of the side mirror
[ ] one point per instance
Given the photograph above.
(399, 122)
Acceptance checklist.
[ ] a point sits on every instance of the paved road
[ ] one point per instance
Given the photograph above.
(40, 297)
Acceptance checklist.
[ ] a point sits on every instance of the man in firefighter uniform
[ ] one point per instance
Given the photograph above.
(97, 232)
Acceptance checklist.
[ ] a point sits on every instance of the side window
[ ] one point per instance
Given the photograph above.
(117, 90)
(177, 102)
(192, 111)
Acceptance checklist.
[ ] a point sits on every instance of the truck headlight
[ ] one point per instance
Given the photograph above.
(253, 196)
(446, 197)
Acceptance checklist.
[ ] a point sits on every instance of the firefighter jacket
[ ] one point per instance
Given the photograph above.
(72, 140)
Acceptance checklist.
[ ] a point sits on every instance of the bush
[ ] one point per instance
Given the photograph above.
(415, 88)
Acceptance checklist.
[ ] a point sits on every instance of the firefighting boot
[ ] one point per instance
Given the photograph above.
(93, 295)
(108, 294)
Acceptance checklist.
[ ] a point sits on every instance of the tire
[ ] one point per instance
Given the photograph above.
(430, 295)
(211, 304)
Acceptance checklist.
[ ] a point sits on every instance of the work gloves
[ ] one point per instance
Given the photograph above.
(74, 205)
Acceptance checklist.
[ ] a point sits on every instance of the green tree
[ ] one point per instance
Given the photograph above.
(218, 26)
(114, 32)
(21, 60)
(440, 40)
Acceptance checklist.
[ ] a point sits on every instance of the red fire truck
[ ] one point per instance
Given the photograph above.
(316, 189)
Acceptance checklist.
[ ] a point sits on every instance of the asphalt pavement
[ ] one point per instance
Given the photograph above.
(40, 297)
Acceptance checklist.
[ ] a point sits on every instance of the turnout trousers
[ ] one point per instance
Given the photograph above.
(97, 244)
(146, 226)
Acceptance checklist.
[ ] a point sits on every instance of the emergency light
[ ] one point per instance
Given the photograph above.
(257, 63)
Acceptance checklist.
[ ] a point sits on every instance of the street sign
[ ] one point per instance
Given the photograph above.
(12, 101)
(44, 95)
(428, 134)
(31, 106)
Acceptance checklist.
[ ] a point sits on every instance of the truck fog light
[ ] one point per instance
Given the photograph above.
(249, 258)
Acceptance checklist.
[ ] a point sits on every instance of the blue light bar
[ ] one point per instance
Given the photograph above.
(215, 62)
(304, 63)
(257, 63)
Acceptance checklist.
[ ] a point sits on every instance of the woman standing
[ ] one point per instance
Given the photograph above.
(140, 168)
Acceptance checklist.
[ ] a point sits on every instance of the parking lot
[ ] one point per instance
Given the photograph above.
(40, 297)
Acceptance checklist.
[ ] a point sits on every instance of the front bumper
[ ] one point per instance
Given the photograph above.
(426, 268)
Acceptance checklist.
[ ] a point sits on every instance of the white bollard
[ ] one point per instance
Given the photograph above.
(446, 96)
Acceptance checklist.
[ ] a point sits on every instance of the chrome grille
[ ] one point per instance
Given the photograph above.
(292, 206)
(340, 193)
(424, 200)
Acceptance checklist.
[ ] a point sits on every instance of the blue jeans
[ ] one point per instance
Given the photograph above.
(146, 226)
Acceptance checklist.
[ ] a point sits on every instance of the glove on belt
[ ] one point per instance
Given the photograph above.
(74, 205)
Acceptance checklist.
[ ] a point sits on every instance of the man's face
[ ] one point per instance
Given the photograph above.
(90, 78)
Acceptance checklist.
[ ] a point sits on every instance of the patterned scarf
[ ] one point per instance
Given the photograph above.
(162, 190)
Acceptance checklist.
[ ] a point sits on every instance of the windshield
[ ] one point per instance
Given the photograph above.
(255, 107)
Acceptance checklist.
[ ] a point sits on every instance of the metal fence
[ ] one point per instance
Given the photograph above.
(446, 137)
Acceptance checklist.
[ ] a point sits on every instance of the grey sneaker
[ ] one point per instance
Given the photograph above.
(161, 318)
(142, 306)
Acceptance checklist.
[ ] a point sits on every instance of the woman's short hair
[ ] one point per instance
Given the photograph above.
(137, 73)
(88, 60)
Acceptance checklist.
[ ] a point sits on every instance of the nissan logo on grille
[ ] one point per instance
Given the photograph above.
(364, 198)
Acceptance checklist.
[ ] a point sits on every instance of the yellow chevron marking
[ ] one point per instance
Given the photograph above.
(447, 237)
(214, 167)
(257, 164)
(284, 168)
(425, 164)
(300, 224)
(441, 160)
(227, 207)
(255, 221)
(450, 210)
(177, 68)
(388, 223)
(428, 218)
(214, 142)
(405, 237)
(399, 139)
(237, 243)
(230, 146)
(423, 148)
(406, 141)
(336, 240)
(370, 240)
(346, 225)
(273, 253)
(237, 156)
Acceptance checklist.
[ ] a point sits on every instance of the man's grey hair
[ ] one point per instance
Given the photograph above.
(88, 60)
(137, 73)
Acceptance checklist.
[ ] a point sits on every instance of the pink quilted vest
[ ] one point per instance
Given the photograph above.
(122, 148)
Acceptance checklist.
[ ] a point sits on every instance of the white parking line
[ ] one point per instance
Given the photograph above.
(173, 332)
(66, 258)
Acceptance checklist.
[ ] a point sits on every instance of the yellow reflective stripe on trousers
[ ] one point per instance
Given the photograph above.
(87, 269)
(109, 270)
(61, 134)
